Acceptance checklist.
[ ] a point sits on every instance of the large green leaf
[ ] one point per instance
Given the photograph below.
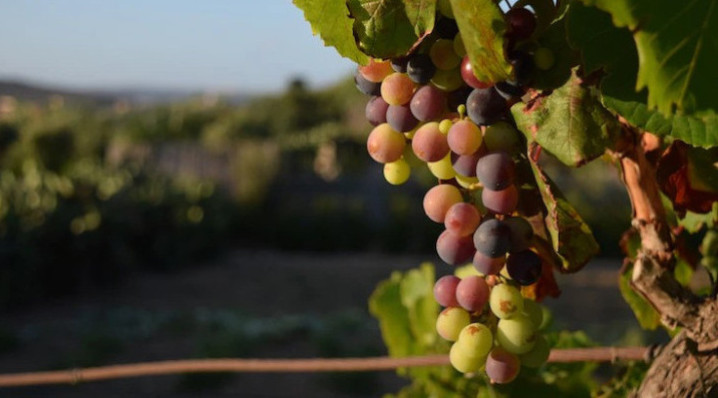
(570, 123)
(407, 311)
(387, 28)
(678, 50)
(330, 19)
(482, 28)
(613, 50)
(646, 315)
(554, 38)
(571, 237)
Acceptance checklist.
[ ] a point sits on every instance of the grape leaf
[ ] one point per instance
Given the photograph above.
(417, 295)
(570, 123)
(689, 177)
(388, 28)
(611, 49)
(646, 315)
(694, 222)
(565, 58)
(571, 237)
(405, 307)
(330, 19)
(482, 28)
(678, 49)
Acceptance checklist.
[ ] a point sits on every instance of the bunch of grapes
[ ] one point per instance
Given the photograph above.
(429, 107)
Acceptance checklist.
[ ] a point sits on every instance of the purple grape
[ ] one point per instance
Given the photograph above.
(375, 110)
(400, 118)
(521, 23)
(446, 28)
(501, 202)
(445, 291)
(524, 267)
(492, 238)
(365, 86)
(487, 265)
(465, 164)
(458, 97)
(502, 366)
(521, 233)
(399, 64)
(472, 293)
(485, 106)
(454, 249)
(428, 103)
(420, 68)
(496, 170)
(523, 64)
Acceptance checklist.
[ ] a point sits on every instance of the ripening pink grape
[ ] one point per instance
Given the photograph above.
(462, 219)
(453, 249)
(397, 89)
(501, 202)
(472, 293)
(464, 137)
(376, 70)
(445, 291)
(385, 145)
(429, 144)
(439, 199)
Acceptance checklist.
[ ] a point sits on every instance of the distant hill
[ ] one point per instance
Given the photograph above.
(30, 92)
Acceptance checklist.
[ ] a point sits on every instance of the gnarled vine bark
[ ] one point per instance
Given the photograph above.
(688, 365)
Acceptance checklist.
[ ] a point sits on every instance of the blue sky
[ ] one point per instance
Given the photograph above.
(224, 45)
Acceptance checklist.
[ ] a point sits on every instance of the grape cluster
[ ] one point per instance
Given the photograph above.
(430, 107)
(498, 341)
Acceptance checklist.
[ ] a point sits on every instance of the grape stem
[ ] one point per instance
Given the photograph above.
(76, 376)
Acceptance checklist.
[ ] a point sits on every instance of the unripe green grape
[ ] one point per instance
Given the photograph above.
(538, 355)
(447, 80)
(534, 312)
(466, 182)
(501, 136)
(462, 361)
(476, 339)
(445, 9)
(544, 58)
(443, 169)
(443, 56)
(459, 48)
(445, 126)
(451, 321)
(516, 334)
(397, 172)
(505, 301)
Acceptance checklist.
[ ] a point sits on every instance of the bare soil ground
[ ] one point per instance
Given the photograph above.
(199, 311)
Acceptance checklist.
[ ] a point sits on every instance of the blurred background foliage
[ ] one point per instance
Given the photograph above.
(91, 193)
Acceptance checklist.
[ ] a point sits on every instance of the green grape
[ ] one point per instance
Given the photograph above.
(501, 136)
(451, 321)
(410, 157)
(463, 362)
(544, 58)
(533, 310)
(443, 169)
(476, 339)
(517, 334)
(443, 56)
(445, 9)
(397, 172)
(466, 182)
(459, 48)
(445, 126)
(538, 355)
(506, 301)
(447, 80)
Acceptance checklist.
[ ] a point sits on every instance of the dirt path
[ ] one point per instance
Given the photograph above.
(253, 303)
